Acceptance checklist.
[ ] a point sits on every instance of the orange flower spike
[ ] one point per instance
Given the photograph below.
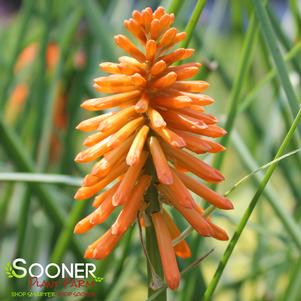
(135, 151)
(168, 258)
(98, 216)
(114, 88)
(178, 189)
(173, 56)
(149, 92)
(163, 171)
(92, 124)
(191, 86)
(170, 137)
(90, 180)
(101, 170)
(166, 21)
(84, 225)
(106, 194)
(137, 16)
(125, 132)
(86, 192)
(215, 147)
(155, 118)
(128, 181)
(142, 105)
(185, 120)
(124, 43)
(172, 102)
(129, 69)
(118, 81)
(205, 192)
(164, 81)
(134, 28)
(93, 152)
(155, 29)
(187, 54)
(182, 249)
(117, 120)
(159, 12)
(213, 131)
(109, 67)
(129, 213)
(103, 246)
(158, 67)
(150, 49)
(194, 143)
(147, 15)
(168, 37)
(218, 232)
(185, 66)
(96, 138)
(103, 211)
(110, 158)
(194, 218)
(107, 102)
(187, 72)
(133, 62)
(198, 99)
(181, 36)
(114, 80)
(208, 119)
(196, 166)
(111, 125)
(200, 145)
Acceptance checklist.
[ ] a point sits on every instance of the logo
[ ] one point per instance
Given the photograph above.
(53, 276)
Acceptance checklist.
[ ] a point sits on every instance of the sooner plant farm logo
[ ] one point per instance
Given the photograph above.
(53, 276)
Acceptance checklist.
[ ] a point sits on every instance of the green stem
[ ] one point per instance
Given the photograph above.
(193, 22)
(23, 221)
(292, 292)
(66, 234)
(271, 41)
(269, 193)
(245, 61)
(268, 77)
(154, 256)
(213, 283)
(152, 250)
(40, 178)
(175, 6)
(4, 205)
(283, 38)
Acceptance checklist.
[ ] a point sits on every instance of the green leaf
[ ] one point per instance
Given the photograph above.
(225, 258)
(245, 178)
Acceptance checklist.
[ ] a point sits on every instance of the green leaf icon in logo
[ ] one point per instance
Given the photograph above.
(10, 271)
(98, 279)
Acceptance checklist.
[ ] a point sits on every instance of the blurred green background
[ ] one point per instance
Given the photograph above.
(50, 51)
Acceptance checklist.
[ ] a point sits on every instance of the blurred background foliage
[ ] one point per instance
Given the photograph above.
(50, 51)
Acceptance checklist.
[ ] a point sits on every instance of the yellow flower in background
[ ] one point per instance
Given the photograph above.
(158, 117)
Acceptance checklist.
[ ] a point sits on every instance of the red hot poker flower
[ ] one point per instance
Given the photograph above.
(158, 118)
